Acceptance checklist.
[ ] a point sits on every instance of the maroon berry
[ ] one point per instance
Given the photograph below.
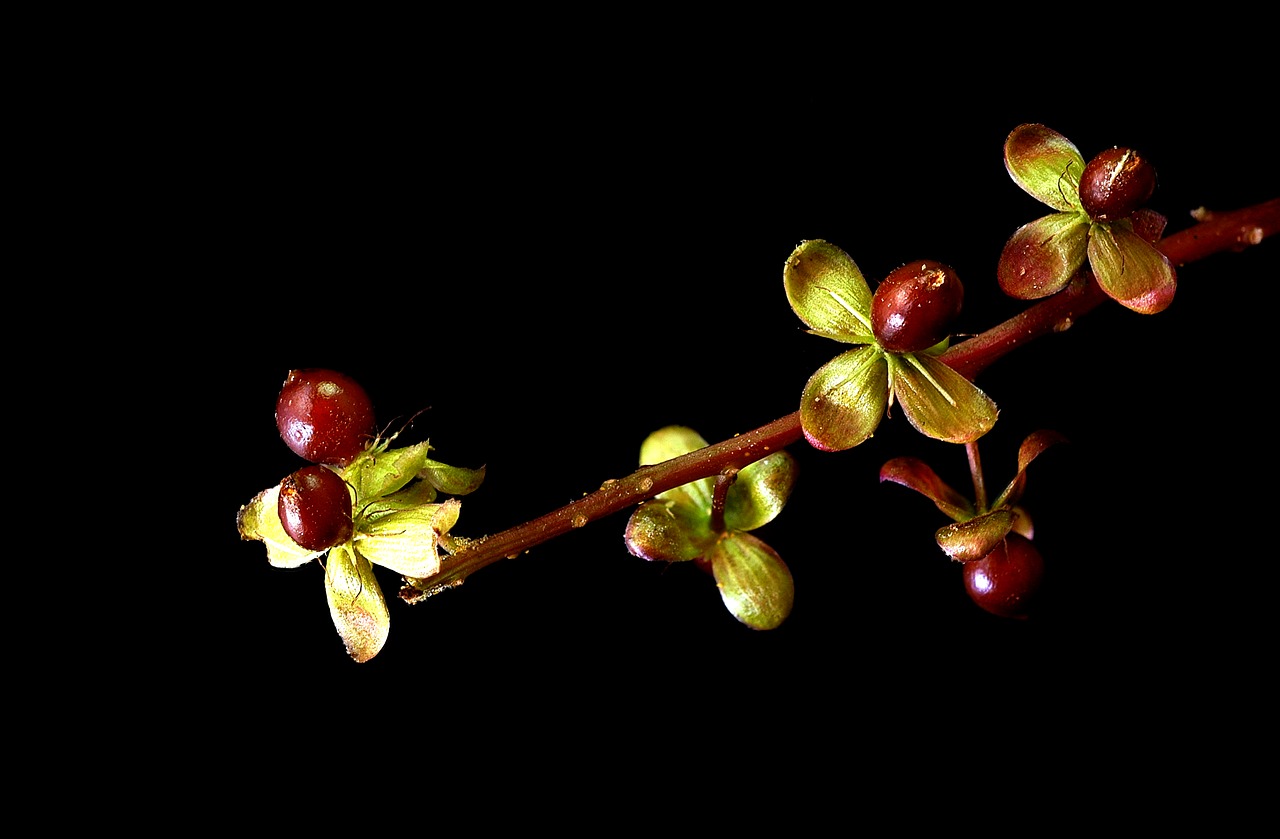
(324, 416)
(1005, 582)
(914, 306)
(315, 508)
(1115, 183)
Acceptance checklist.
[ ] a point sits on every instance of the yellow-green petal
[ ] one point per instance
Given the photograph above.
(1130, 269)
(827, 291)
(356, 604)
(760, 492)
(406, 541)
(1042, 256)
(755, 584)
(1045, 164)
(671, 442)
(259, 520)
(938, 401)
(844, 401)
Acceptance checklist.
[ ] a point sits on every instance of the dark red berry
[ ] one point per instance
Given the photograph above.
(1115, 183)
(914, 306)
(1006, 581)
(324, 416)
(315, 508)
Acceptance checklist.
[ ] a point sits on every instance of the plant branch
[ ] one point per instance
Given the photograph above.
(1214, 233)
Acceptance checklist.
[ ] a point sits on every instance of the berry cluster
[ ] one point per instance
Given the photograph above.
(327, 418)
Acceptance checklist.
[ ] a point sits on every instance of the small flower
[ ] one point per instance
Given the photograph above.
(396, 523)
(976, 529)
(707, 521)
(1041, 257)
(844, 401)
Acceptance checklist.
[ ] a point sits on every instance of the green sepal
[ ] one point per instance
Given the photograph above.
(1130, 269)
(760, 492)
(452, 480)
(378, 471)
(938, 401)
(827, 291)
(845, 399)
(1045, 164)
(356, 604)
(1042, 256)
(973, 539)
(755, 584)
(668, 531)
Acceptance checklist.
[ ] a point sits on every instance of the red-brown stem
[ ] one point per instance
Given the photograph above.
(1231, 231)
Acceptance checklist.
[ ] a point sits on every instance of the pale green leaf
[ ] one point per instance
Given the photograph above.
(356, 604)
(844, 401)
(1130, 269)
(1045, 164)
(827, 291)
(938, 401)
(755, 584)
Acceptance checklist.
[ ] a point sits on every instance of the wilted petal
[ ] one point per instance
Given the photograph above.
(405, 541)
(669, 532)
(828, 292)
(844, 401)
(914, 473)
(755, 584)
(977, 537)
(356, 604)
(760, 492)
(938, 401)
(1032, 447)
(1041, 257)
(260, 520)
(1045, 164)
(1130, 269)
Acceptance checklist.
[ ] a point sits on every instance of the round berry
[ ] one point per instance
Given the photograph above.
(1115, 183)
(315, 508)
(914, 306)
(1006, 581)
(324, 416)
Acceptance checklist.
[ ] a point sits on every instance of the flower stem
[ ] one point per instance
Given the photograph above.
(1213, 233)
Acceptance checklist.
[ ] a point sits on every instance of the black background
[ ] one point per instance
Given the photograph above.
(553, 273)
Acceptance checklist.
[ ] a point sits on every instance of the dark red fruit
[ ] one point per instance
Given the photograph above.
(1115, 183)
(914, 306)
(315, 508)
(1006, 581)
(324, 416)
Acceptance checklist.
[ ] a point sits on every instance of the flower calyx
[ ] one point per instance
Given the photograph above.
(844, 400)
(1098, 218)
(708, 521)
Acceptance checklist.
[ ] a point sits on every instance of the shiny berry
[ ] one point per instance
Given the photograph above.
(315, 508)
(1115, 183)
(324, 416)
(914, 306)
(1006, 581)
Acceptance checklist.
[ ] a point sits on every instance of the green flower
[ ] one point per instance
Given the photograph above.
(844, 401)
(1041, 257)
(397, 524)
(707, 521)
